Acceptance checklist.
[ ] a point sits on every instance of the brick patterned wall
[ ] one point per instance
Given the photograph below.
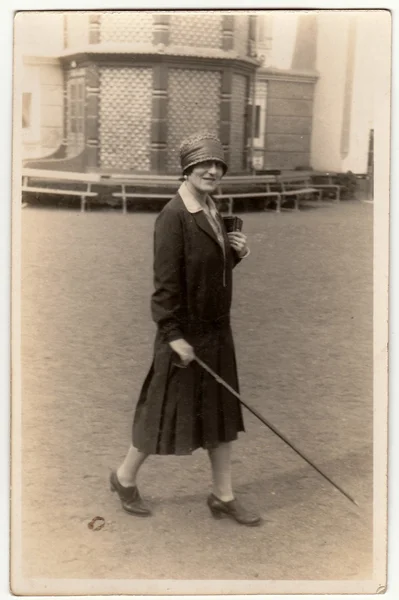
(194, 105)
(238, 108)
(193, 29)
(77, 29)
(126, 27)
(125, 118)
(241, 32)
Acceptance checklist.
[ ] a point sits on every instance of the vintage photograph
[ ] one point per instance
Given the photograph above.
(200, 233)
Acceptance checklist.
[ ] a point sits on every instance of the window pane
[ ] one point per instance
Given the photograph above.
(371, 148)
(26, 110)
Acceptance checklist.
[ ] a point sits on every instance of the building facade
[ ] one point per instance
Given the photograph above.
(117, 91)
(315, 89)
(135, 84)
(343, 118)
(285, 90)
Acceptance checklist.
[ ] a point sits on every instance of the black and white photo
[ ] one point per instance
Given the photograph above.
(199, 334)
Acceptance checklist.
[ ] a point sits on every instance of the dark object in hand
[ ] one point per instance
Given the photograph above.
(232, 223)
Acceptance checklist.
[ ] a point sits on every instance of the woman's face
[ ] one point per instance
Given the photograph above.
(206, 176)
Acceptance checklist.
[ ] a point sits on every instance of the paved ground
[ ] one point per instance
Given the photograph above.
(303, 328)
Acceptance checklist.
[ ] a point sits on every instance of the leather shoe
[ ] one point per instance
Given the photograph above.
(232, 509)
(130, 497)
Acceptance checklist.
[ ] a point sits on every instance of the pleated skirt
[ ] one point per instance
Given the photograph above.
(182, 409)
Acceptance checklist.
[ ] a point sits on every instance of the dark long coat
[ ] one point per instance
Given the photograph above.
(181, 409)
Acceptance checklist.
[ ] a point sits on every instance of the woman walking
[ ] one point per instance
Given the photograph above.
(180, 407)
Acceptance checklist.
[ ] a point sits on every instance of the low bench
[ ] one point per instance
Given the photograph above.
(124, 195)
(328, 185)
(144, 187)
(268, 182)
(129, 189)
(72, 180)
(297, 187)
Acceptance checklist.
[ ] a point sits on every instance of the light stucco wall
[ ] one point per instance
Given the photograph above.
(362, 96)
(329, 91)
(39, 33)
(43, 80)
(283, 33)
(285, 39)
(328, 114)
(38, 39)
(340, 132)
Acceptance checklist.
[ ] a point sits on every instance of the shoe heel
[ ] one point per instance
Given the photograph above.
(216, 513)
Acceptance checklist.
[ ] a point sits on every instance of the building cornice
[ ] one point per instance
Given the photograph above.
(130, 49)
(292, 75)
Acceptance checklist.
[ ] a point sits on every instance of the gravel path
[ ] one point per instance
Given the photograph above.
(303, 327)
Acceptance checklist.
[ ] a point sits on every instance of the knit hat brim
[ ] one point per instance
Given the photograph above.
(201, 148)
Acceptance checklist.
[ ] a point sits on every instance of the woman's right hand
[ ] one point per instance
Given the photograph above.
(184, 350)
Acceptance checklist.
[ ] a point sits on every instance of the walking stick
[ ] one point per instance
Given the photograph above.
(272, 427)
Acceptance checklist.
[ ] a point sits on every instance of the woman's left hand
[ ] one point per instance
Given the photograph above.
(238, 242)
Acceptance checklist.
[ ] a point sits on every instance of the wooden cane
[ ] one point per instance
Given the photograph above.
(272, 427)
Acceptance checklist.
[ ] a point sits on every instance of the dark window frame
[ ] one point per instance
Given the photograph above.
(257, 125)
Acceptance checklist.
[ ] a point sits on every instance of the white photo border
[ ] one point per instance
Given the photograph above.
(6, 21)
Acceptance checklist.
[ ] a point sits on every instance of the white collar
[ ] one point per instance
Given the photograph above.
(190, 202)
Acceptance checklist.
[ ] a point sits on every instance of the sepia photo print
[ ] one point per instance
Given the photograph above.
(199, 329)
